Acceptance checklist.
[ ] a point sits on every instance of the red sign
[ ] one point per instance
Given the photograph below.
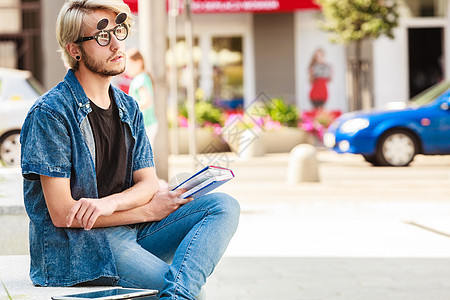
(237, 6)
(133, 4)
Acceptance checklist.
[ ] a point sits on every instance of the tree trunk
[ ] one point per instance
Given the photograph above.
(359, 77)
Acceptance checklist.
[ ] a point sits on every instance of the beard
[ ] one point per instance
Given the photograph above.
(100, 68)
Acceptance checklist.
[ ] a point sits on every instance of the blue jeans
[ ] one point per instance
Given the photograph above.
(178, 253)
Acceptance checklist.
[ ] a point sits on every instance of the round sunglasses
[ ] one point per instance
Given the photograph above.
(103, 37)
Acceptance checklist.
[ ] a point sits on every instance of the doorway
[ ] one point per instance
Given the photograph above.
(425, 58)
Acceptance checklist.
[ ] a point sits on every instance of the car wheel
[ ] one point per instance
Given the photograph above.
(371, 159)
(10, 148)
(396, 148)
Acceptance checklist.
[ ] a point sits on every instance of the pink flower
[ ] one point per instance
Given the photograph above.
(217, 129)
(232, 118)
(272, 125)
(182, 121)
(259, 122)
(307, 126)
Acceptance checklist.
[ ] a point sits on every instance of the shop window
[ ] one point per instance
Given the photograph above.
(20, 36)
(228, 72)
(8, 56)
(10, 17)
(426, 8)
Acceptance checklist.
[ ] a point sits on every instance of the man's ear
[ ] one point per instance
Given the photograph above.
(74, 51)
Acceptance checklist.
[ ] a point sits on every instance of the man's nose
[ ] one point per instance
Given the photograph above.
(115, 43)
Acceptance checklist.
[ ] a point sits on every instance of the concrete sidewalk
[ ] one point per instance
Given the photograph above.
(361, 233)
(289, 278)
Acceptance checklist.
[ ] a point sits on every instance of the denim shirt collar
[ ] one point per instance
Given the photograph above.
(82, 101)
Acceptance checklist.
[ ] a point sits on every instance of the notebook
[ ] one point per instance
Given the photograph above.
(111, 294)
(204, 181)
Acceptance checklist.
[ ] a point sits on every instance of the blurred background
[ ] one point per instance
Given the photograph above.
(265, 46)
(273, 86)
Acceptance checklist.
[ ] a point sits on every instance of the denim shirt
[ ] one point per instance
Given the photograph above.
(57, 141)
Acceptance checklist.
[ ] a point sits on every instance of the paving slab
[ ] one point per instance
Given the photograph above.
(289, 278)
(360, 233)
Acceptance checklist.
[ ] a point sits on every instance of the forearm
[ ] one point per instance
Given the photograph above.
(125, 217)
(160, 206)
(133, 197)
(118, 209)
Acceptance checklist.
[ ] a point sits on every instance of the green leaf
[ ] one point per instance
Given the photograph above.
(354, 20)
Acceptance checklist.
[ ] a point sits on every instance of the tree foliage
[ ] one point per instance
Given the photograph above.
(356, 20)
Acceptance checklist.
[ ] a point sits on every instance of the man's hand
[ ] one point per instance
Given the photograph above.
(86, 211)
(163, 203)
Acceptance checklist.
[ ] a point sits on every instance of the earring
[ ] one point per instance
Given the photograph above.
(78, 57)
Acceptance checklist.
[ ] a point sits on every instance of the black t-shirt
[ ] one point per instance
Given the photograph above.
(110, 149)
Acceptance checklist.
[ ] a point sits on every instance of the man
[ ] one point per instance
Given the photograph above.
(97, 215)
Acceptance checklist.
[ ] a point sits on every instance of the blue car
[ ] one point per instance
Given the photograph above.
(393, 137)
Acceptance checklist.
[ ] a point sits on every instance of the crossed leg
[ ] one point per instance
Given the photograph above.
(178, 253)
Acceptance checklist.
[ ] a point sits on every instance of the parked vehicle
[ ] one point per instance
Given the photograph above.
(393, 137)
(18, 91)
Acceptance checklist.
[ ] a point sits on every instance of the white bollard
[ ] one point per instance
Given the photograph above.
(303, 165)
(252, 144)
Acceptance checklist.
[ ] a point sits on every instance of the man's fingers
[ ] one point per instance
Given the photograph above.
(92, 220)
(84, 206)
(175, 193)
(181, 201)
(87, 216)
(72, 213)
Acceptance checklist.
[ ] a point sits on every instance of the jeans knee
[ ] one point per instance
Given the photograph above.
(226, 205)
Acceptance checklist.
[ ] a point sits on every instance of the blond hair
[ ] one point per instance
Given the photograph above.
(71, 22)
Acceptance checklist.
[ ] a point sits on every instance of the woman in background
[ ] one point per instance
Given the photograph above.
(141, 89)
(319, 75)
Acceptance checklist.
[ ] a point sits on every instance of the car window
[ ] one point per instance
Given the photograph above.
(19, 88)
(430, 94)
(37, 87)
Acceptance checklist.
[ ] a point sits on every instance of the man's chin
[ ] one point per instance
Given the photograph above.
(110, 73)
(120, 70)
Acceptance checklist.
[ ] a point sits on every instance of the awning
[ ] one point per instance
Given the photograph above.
(237, 6)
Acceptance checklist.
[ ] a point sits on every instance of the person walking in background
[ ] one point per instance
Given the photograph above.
(141, 89)
(319, 75)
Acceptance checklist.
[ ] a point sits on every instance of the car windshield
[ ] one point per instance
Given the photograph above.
(19, 87)
(37, 87)
(429, 94)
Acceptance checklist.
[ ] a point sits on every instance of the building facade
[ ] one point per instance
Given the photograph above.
(418, 57)
(243, 48)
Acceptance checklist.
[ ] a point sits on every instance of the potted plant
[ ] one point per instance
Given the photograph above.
(281, 132)
(265, 127)
(209, 121)
(315, 123)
